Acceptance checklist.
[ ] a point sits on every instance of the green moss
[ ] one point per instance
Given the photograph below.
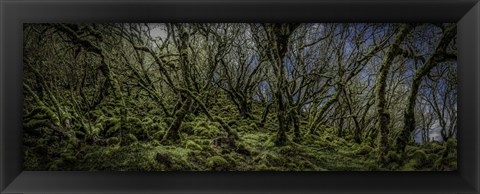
(112, 141)
(96, 114)
(328, 137)
(436, 147)
(393, 156)
(239, 161)
(168, 121)
(263, 167)
(415, 161)
(111, 125)
(188, 128)
(411, 149)
(269, 158)
(410, 165)
(147, 121)
(155, 127)
(217, 163)
(270, 142)
(363, 150)
(207, 129)
(419, 155)
(288, 151)
(244, 128)
(34, 124)
(192, 145)
(452, 143)
(129, 139)
(253, 125)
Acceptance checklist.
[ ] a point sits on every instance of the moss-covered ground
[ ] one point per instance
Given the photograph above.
(202, 148)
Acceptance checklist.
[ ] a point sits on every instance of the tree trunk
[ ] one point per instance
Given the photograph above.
(279, 35)
(380, 91)
(440, 55)
(173, 132)
(264, 115)
(296, 126)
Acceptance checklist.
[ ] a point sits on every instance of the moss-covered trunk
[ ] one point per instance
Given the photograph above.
(173, 132)
(279, 35)
(380, 91)
(439, 56)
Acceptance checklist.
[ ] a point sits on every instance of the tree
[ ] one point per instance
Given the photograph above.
(440, 55)
(380, 93)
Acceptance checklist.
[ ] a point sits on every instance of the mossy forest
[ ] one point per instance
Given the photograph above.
(240, 97)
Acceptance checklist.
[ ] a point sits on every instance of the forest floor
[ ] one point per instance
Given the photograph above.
(203, 145)
(201, 149)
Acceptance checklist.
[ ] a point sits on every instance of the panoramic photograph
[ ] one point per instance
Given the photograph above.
(240, 97)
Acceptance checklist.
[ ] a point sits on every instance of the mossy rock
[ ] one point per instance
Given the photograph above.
(217, 163)
(415, 161)
(419, 155)
(209, 131)
(436, 147)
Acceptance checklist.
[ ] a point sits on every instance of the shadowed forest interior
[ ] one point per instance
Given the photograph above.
(240, 97)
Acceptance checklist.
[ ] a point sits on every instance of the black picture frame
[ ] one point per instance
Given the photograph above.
(14, 13)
